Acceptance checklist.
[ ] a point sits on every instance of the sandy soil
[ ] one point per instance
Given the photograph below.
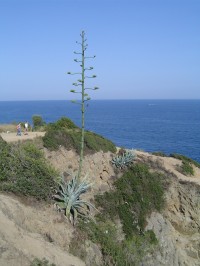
(12, 137)
(170, 164)
(28, 232)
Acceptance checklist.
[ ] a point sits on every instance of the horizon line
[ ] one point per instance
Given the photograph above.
(132, 99)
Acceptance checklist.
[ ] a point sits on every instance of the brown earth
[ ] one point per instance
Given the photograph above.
(28, 232)
(12, 137)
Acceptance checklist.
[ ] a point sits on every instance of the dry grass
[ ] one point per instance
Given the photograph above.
(7, 128)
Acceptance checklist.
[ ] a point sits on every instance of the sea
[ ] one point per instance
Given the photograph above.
(170, 126)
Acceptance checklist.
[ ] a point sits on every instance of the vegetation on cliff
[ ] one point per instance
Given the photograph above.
(24, 171)
(186, 168)
(135, 195)
(70, 139)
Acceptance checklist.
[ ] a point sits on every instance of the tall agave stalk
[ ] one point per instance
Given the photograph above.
(84, 96)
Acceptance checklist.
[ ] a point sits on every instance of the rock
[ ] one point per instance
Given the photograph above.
(177, 228)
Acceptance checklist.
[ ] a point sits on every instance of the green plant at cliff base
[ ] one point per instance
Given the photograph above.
(67, 198)
(84, 96)
(123, 160)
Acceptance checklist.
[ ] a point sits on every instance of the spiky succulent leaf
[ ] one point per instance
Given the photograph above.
(68, 196)
(124, 160)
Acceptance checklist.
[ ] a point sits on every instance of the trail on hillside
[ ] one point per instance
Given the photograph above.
(12, 137)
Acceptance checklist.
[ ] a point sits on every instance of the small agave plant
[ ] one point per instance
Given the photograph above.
(123, 160)
(68, 195)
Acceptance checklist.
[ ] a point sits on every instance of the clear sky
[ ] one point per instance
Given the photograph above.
(145, 49)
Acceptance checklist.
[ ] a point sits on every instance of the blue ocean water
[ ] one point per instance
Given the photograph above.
(151, 125)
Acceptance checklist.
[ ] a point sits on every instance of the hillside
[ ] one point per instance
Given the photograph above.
(37, 230)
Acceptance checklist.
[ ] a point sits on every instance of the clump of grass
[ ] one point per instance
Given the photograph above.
(185, 158)
(159, 153)
(24, 171)
(186, 168)
(187, 164)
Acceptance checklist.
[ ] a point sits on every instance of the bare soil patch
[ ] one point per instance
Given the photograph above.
(27, 232)
(12, 137)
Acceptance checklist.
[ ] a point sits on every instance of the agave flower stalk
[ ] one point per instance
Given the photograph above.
(84, 96)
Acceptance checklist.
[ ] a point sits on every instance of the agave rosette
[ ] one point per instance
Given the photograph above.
(68, 198)
(124, 160)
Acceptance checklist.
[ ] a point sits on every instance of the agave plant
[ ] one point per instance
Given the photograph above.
(67, 198)
(123, 160)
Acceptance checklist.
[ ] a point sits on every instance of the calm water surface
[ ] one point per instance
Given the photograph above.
(152, 125)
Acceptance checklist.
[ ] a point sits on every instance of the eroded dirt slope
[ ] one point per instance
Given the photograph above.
(28, 232)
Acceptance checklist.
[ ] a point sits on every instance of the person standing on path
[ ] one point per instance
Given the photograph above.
(26, 128)
(19, 130)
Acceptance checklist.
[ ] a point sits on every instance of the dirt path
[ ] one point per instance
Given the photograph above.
(12, 137)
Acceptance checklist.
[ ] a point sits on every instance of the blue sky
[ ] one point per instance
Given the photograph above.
(145, 49)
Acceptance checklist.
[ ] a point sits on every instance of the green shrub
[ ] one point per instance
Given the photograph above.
(24, 171)
(62, 123)
(105, 235)
(53, 139)
(135, 195)
(38, 122)
(115, 251)
(96, 143)
(70, 139)
(3, 143)
(159, 153)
